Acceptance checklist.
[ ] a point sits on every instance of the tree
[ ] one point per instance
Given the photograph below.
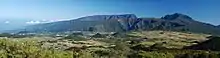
(91, 29)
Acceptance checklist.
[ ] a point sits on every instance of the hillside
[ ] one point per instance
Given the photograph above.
(145, 44)
(212, 44)
(96, 22)
(179, 22)
(169, 39)
(127, 22)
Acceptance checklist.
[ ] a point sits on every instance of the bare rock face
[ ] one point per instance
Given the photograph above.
(127, 22)
(97, 22)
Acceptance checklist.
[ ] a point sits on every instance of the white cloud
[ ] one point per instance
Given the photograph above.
(7, 22)
(45, 21)
(33, 22)
(51, 21)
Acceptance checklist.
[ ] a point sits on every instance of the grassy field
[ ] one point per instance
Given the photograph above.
(147, 44)
(170, 39)
(29, 48)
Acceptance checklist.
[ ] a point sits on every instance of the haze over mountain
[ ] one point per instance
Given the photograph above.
(202, 10)
(12, 24)
(99, 22)
(8, 24)
(127, 22)
(109, 29)
(56, 10)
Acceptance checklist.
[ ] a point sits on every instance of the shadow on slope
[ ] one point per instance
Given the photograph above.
(211, 44)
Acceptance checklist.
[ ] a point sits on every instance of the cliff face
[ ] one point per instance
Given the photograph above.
(177, 22)
(127, 22)
(97, 22)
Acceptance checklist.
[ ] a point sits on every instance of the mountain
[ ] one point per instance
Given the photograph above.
(105, 23)
(127, 22)
(180, 22)
(12, 24)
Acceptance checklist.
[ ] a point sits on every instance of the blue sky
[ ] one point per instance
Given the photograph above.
(49, 10)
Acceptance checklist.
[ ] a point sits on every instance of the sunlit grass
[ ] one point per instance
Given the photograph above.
(28, 48)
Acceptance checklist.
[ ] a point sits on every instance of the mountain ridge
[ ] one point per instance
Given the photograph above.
(127, 22)
(91, 20)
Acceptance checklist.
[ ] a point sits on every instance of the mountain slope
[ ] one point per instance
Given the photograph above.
(127, 22)
(96, 22)
(211, 44)
(194, 26)
(176, 22)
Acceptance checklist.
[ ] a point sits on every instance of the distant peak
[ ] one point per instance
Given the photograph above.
(125, 15)
(175, 16)
(108, 17)
(114, 15)
(178, 14)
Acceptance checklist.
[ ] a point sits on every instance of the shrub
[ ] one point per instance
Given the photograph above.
(144, 54)
(75, 37)
(28, 49)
